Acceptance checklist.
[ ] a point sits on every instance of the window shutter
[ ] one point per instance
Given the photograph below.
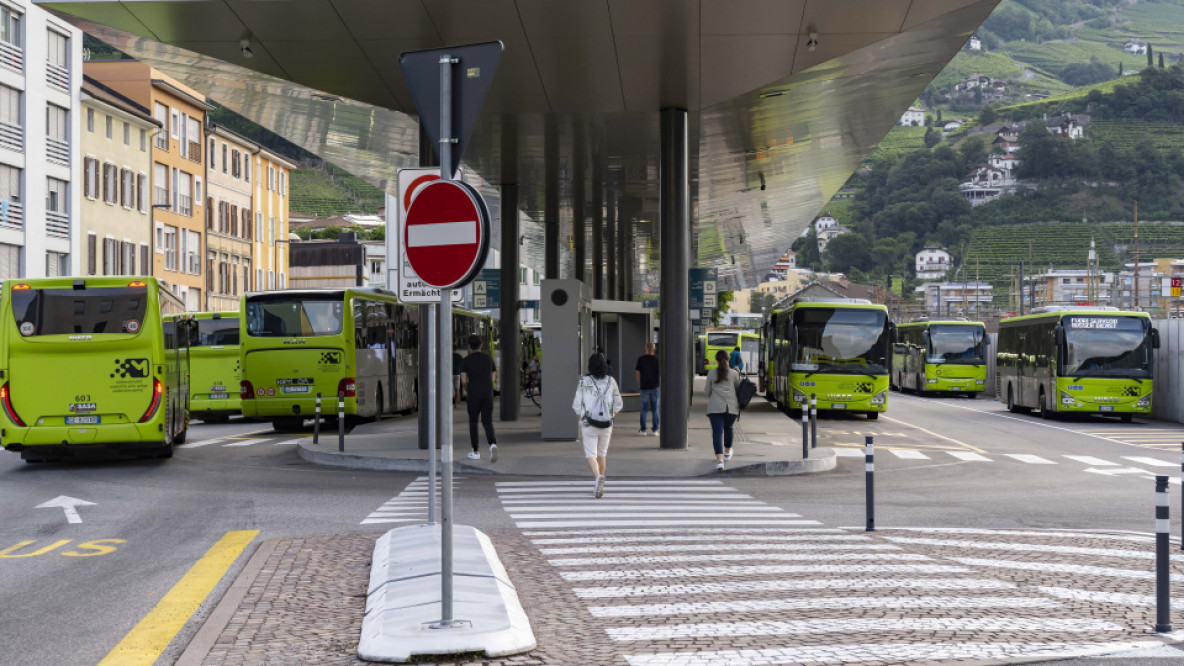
(234, 283)
(234, 220)
(106, 257)
(209, 274)
(92, 247)
(145, 267)
(86, 177)
(210, 213)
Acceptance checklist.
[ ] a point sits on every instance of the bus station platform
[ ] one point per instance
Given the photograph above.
(767, 443)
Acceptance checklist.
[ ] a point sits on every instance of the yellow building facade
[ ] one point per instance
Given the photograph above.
(230, 231)
(270, 204)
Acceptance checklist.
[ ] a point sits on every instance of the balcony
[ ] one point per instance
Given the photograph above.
(57, 224)
(12, 136)
(160, 196)
(57, 151)
(57, 77)
(161, 140)
(12, 57)
(185, 205)
(12, 214)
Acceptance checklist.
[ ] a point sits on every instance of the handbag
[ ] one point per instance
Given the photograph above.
(597, 423)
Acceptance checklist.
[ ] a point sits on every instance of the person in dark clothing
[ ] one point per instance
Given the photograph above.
(476, 376)
(648, 380)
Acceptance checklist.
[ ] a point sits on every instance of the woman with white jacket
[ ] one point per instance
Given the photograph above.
(722, 407)
(596, 402)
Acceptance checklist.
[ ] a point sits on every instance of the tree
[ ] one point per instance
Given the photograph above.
(1150, 63)
(987, 115)
(1119, 71)
(1161, 59)
(807, 248)
(848, 252)
(932, 137)
(939, 123)
(723, 303)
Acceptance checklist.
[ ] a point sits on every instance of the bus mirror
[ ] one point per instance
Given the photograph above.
(892, 332)
(925, 339)
(986, 341)
(1060, 334)
(1154, 338)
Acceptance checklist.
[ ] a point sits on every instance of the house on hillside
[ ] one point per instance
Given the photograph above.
(787, 263)
(914, 117)
(1135, 46)
(1006, 162)
(1011, 133)
(1006, 146)
(1070, 125)
(986, 183)
(975, 44)
(932, 263)
(827, 227)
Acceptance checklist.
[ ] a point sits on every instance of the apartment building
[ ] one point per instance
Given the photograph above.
(115, 220)
(270, 204)
(178, 195)
(40, 81)
(229, 220)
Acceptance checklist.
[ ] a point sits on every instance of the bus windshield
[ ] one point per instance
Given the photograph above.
(212, 332)
(728, 340)
(1101, 346)
(79, 311)
(956, 344)
(295, 316)
(841, 341)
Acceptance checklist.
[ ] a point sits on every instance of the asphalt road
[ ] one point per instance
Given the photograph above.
(941, 462)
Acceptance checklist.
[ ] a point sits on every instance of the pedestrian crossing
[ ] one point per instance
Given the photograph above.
(237, 441)
(672, 572)
(1026, 458)
(1152, 437)
(409, 506)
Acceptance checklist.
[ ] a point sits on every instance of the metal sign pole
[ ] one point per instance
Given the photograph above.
(430, 405)
(444, 363)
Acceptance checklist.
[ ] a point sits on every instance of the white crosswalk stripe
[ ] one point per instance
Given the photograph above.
(198, 444)
(824, 603)
(409, 506)
(908, 454)
(1153, 462)
(244, 442)
(1090, 460)
(848, 452)
(791, 585)
(969, 456)
(1030, 459)
(845, 625)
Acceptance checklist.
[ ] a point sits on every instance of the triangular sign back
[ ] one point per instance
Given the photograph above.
(471, 77)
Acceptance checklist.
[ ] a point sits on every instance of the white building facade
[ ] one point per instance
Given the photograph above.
(913, 117)
(40, 91)
(932, 263)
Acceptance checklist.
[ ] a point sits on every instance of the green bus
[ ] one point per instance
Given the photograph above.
(1076, 359)
(940, 356)
(837, 350)
(92, 363)
(215, 366)
(765, 364)
(714, 341)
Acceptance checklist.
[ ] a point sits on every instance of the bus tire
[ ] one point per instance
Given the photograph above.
(1011, 406)
(287, 423)
(1125, 418)
(1045, 413)
(872, 416)
(179, 438)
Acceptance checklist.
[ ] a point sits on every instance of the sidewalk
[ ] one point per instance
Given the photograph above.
(768, 443)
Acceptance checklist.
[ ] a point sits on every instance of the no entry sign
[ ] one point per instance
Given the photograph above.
(446, 235)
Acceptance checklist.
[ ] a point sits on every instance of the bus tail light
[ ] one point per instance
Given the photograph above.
(5, 399)
(157, 392)
(137, 283)
(347, 388)
(245, 390)
(20, 287)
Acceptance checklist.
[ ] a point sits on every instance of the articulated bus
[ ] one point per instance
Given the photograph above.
(91, 363)
(1071, 360)
(837, 350)
(940, 356)
(714, 341)
(765, 374)
(215, 366)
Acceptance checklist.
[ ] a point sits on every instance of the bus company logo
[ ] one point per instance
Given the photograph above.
(83, 407)
(296, 341)
(130, 367)
(865, 387)
(331, 358)
(807, 384)
(1130, 391)
(81, 337)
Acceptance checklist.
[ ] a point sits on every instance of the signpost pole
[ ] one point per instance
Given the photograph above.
(444, 363)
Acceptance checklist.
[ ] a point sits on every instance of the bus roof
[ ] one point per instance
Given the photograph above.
(71, 282)
(944, 322)
(338, 293)
(845, 303)
(1053, 315)
(213, 315)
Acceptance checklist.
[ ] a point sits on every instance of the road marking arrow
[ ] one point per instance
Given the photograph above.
(69, 505)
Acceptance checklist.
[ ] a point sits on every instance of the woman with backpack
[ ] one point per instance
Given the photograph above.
(722, 407)
(597, 401)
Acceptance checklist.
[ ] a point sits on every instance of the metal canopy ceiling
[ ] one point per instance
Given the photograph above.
(779, 127)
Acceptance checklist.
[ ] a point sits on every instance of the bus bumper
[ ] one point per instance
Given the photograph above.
(202, 405)
(129, 436)
(1140, 406)
(266, 408)
(960, 385)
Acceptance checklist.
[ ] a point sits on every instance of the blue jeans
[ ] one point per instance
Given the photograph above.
(649, 400)
(721, 431)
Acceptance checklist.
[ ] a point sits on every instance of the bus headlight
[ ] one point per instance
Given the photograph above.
(879, 398)
(1067, 399)
(930, 381)
(980, 382)
(798, 396)
(1145, 401)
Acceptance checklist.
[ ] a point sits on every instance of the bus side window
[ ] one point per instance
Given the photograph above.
(359, 324)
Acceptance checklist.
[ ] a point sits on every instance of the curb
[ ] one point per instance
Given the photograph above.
(205, 639)
(824, 461)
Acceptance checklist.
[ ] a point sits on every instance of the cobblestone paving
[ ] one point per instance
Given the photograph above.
(606, 586)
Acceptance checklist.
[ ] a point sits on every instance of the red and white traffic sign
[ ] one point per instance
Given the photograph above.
(446, 234)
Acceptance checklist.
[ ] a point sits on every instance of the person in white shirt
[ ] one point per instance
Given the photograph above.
(597, 401)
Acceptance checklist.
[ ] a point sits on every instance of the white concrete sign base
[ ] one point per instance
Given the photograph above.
(404, 598)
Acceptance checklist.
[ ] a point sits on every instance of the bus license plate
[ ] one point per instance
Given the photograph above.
(219, 396)
(1106, 408)
(294, 389)
(82, 420)
(838, 405)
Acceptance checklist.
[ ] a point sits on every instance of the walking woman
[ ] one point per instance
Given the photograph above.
(722, 407)
(597, 401)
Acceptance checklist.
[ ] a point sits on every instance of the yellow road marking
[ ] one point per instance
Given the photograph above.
(930, 432)
(148, 639)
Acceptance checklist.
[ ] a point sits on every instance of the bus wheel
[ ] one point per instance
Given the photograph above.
(872, 416)
(179, 438)
(1045, 412)
(287, 423)
(1011, 406)
(1126, 418)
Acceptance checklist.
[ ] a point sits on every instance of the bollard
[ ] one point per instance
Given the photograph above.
(869, 474)
(341, 422)
(813, 421)
(316, 424)
(805, 431)
(1163, 591)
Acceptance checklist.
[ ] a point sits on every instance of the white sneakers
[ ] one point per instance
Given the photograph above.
(655, 432)
(473, 455)
(643, 433)
(493, 453)
(728, 454)
(599, 492)
(719, 466)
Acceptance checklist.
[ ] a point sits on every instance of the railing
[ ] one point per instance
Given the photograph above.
(57, 224)
(185, 204)
(12, 57)
(160, 196)
(170, 259)
(194, 152)
(57, 151)
(12, 214)
(58, 77)
(12, 136)
(161, 140)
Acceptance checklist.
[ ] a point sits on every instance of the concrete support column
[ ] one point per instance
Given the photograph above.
(511, 365)
(551, 199)
(578, 175)
(427, 158)
(614, 274)
(675, 253)
(597, 222)
(629, 210)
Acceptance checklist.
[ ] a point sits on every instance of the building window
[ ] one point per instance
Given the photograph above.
(224, 160)
(247, 168)
(210, 152)
(127, 188)
(59, 50)
(109, 123)
(270, 178)
(283, 183)
(271, 231)
(90, 177)
(110, 183)
(197, 190)
(259, 226)
(57, 264)
(185, 194)
(143, 140)
(56, 119)
(10, 28)
(90, 120)
(170, 248)
(161, 113)
(10, 194)
(10, 261)
(160, 178)
(127, 134)
(194, 253)
(184, 120)
(55, 196)
(175, 124)
(142, 192)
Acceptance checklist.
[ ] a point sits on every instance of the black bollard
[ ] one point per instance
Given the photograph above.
(341, 422)
(869, 475)
(813, 420)
(1163, 590)
(316, 424)
(805, 431)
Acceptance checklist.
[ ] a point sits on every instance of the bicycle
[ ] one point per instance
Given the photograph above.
(532, 386)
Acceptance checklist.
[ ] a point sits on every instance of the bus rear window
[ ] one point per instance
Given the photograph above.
(722, 339)
(294, 317)
(79, 311)
(211, 332)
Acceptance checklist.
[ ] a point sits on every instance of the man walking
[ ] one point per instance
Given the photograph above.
(648, 378)
(476, 376)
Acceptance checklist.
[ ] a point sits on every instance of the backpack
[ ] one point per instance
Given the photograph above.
(744, 392)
